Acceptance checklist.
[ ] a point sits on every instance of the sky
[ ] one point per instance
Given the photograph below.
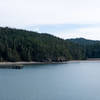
(62, 18)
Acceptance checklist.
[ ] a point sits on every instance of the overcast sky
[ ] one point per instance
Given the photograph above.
(64, 18)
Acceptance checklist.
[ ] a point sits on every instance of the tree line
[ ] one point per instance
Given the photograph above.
(22, 45)
(91, 47)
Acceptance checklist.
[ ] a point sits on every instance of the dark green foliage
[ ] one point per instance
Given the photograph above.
(91, 48)
(21, 45)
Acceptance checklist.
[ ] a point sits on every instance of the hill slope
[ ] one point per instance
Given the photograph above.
(22, 45)
(91, 47)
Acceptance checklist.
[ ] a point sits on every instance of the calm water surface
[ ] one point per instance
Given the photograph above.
(71, 81)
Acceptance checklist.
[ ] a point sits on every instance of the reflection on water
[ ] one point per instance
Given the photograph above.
(71, 81)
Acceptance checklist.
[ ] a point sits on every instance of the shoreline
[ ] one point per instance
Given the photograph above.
(29, 63)
(19, 63)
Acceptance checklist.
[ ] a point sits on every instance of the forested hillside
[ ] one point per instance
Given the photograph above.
(91, 48)
(22, 45)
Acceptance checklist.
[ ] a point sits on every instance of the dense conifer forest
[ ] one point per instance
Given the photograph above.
(91, 47)
(22, 45)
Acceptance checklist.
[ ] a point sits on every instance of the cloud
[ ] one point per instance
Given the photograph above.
(51, 13)
(88, 33)
(19, 13)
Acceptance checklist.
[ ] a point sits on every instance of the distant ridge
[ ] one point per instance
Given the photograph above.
(83, 41)
(91, 47)
(22, 45)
